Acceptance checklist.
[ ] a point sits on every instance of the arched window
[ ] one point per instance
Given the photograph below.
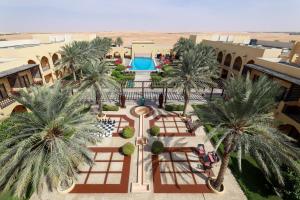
(45, 63)
(54, 58)
(220, 57)
(227, 61)
(117, 55)
(237, 65)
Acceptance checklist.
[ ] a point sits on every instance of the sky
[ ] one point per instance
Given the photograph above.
(149, 15)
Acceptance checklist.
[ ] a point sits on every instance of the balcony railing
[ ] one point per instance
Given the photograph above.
(293, 112)
(6, 102)
(46, 68)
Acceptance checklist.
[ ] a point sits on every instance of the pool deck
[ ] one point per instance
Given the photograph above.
(115, 174)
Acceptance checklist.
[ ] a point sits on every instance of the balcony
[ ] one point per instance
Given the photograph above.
(6, 102)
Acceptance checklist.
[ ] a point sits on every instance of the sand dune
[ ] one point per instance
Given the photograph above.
(167, 38)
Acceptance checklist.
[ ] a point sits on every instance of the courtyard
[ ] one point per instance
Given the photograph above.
(177, 171)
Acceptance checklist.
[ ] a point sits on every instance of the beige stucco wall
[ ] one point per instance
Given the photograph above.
(245, 52)
(143, 48)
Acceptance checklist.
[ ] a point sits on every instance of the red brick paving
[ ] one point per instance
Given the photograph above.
(163, 127)
(106, 187)
(176, 187)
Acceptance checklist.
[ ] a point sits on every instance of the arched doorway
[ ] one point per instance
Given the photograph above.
(224, 74)
(45, 63)
(220, 57)
(237, 65)
(117, 55)
(54, 59)
(227, 61)
(19, 109)
(246, 69)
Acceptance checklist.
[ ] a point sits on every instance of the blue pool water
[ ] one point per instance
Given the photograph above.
(142, 63)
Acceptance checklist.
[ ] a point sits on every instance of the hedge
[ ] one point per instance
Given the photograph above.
(128, 149)
(107, 107)
(174, 107)
(154, 130)
(128, 132)
(120, 68)
(157, 147)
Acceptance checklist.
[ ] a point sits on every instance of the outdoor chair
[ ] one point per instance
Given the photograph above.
(213, 157)
(201, 150)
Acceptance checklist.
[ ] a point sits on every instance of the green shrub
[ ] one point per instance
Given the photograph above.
(154, 130)
(167, 69)
(116, 73)
(128, 132)
(128, 149)
(120, 68)
(107, 107)
(156, 78)
(174, 107)
(157, 147)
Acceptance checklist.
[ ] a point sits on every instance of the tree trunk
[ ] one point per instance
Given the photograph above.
(218, 182)
(99, 103)
(74, 76)
(186, 101)
(73, 71)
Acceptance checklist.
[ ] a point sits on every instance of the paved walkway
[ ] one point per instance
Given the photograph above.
(142, 76)
(232, 189)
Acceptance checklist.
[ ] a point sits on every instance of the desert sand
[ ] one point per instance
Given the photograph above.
(165, 38)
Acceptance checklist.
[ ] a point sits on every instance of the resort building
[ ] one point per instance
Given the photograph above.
(12, 80)
(24, 63)
(28, 61)
(287, 73)
(279, 61)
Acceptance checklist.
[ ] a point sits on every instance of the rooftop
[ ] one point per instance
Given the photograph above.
(274, 73)
(16, 69)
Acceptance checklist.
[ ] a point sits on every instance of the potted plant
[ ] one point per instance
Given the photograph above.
(66, 185)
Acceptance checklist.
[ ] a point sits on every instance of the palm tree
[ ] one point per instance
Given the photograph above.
(50, 142)
(183, 45)
(97, 76)
(73, 55)
(119, 41)
(244, 124)
(100, 47)
(198, 63)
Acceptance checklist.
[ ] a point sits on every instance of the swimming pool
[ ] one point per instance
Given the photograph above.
(143, 64)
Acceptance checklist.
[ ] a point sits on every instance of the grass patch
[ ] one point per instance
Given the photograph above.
(107, 107)
(174, 107)
(120, 75)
